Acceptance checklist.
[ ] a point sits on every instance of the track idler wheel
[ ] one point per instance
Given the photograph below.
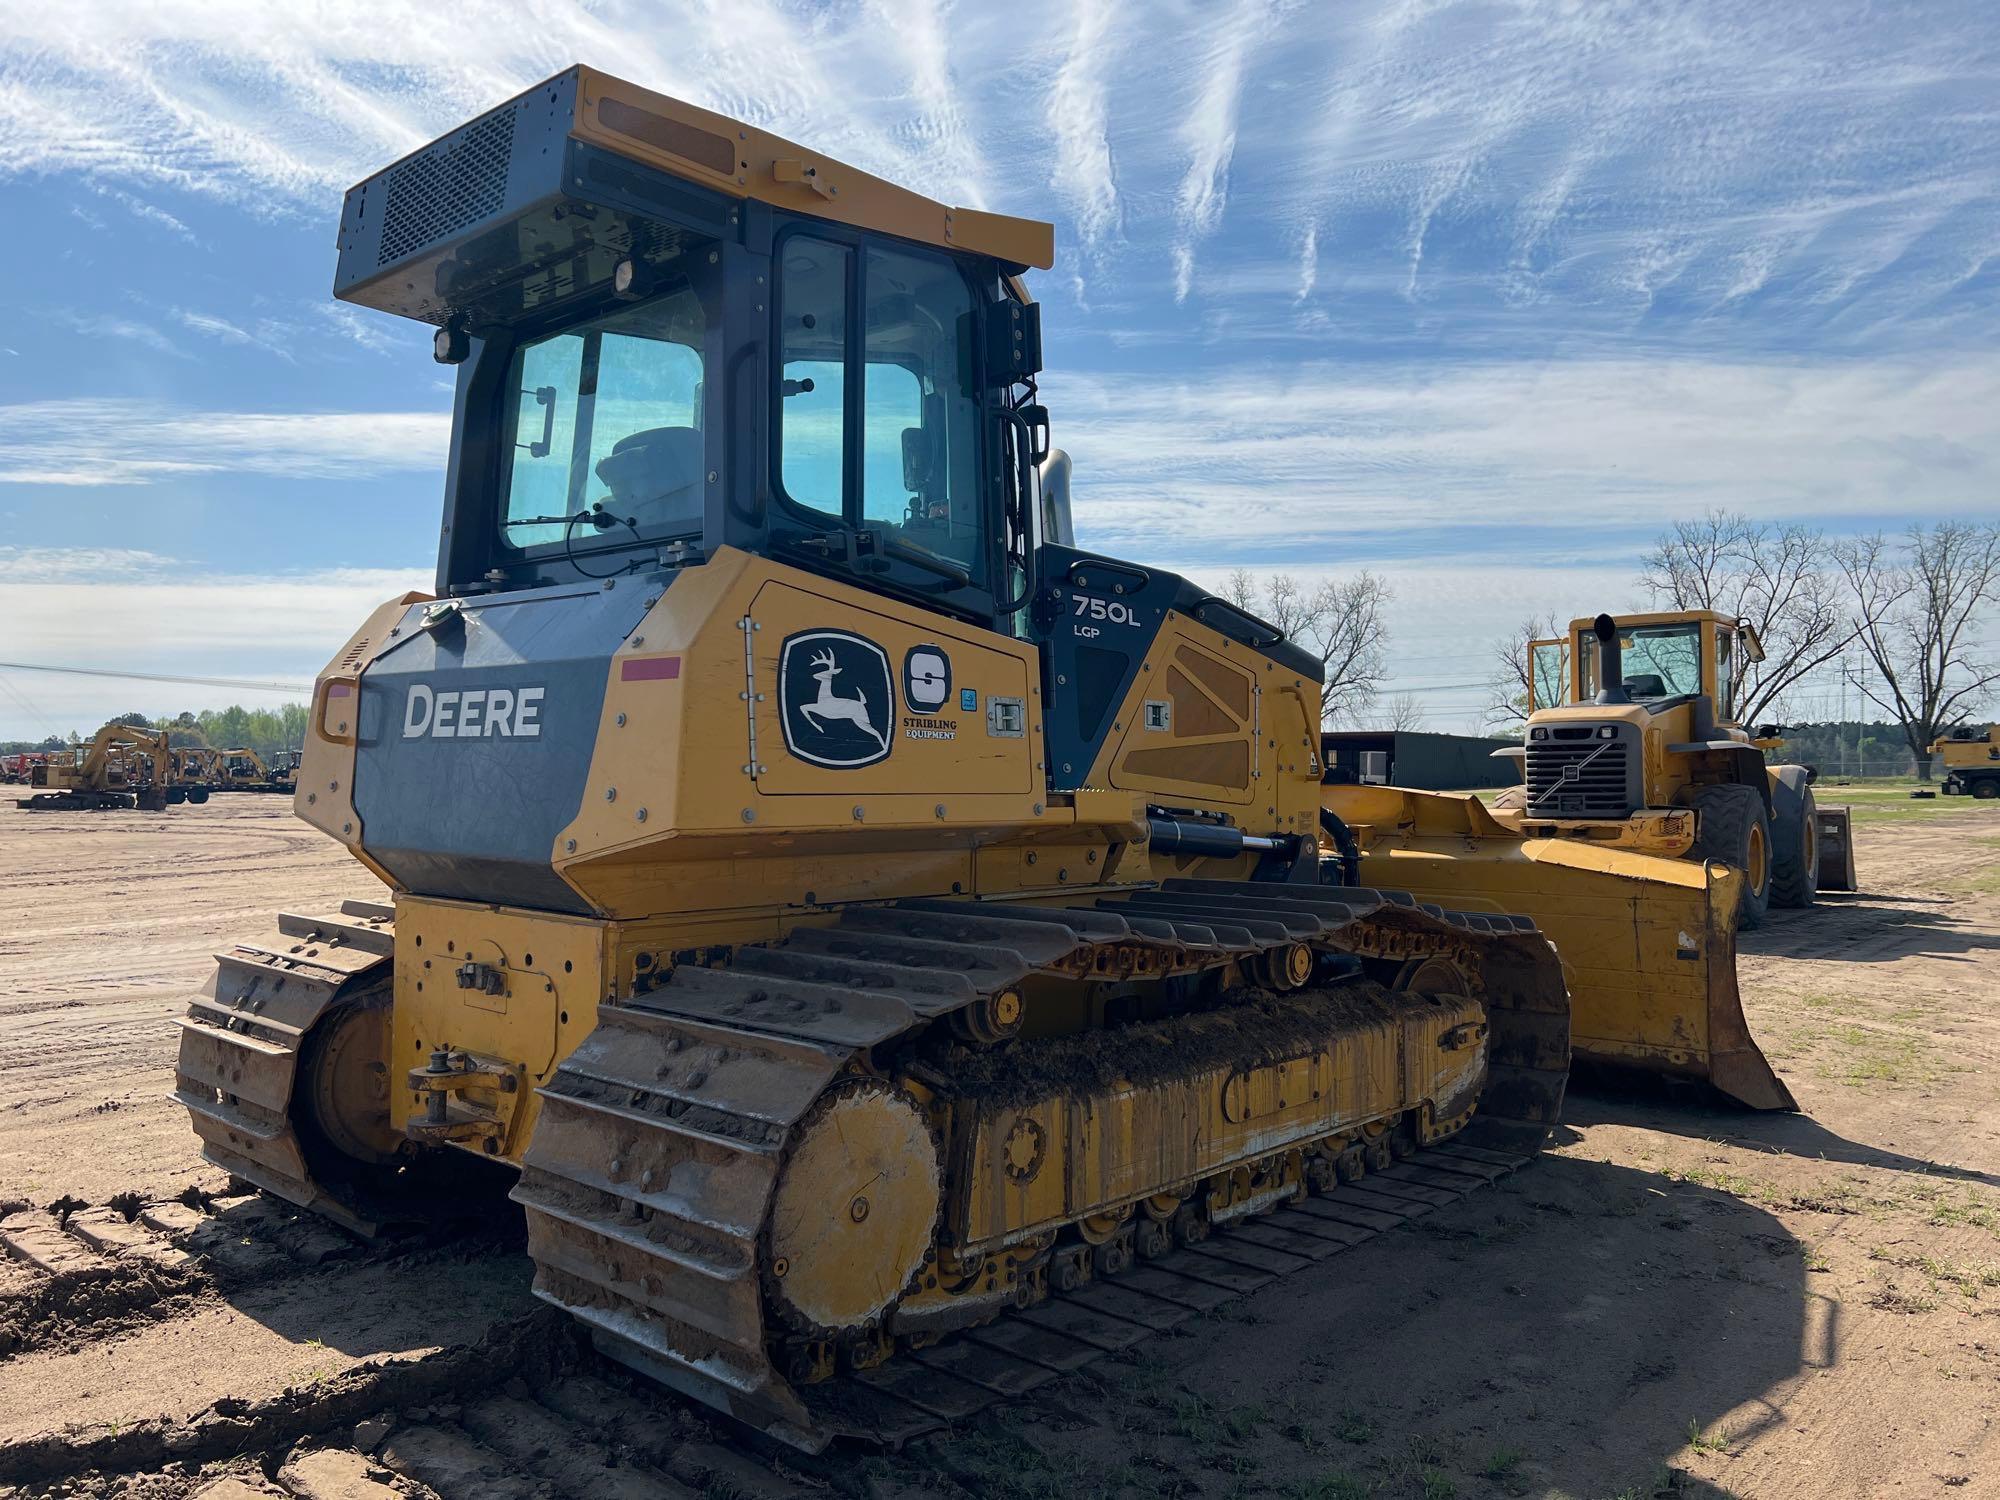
(346, 1081)
(855, 1211)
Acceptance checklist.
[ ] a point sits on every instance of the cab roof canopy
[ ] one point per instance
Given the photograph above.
(537, 200)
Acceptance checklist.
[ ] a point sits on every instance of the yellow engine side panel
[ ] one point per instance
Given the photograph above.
(1211, 723)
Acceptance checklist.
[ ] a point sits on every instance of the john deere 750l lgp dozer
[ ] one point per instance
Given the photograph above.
(861, 916)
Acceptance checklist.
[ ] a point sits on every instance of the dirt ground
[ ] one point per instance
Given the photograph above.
(1676, 1300)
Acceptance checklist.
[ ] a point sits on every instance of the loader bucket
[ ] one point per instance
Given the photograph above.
(1836, 850)
(1648, 945)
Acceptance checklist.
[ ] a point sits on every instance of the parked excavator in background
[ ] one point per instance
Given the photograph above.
(122, 766)
(1971, 760)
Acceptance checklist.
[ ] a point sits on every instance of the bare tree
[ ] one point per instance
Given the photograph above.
(1407, 712)
(1916, 607)
(1340, 618)
(1783, 579)
(1513, 687)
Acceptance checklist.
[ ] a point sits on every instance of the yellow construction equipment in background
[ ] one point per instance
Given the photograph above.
(1629, 744)
(121, 767)
(869, 924)
(1971, 760)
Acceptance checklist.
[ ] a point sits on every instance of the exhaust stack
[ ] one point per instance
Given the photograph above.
(1610, 662)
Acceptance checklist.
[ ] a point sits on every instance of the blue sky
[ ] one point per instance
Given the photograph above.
(1477, 295)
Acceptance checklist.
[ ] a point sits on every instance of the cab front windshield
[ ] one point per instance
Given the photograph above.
(603, 425)
(1660, 661)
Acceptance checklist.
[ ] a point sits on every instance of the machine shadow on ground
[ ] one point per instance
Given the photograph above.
(1775, 1133)
(1564, 1333)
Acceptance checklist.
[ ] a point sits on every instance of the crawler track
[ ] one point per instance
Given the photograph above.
(650, 1179)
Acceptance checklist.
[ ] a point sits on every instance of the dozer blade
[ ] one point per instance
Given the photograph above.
(1836, 850)
(1648, 945)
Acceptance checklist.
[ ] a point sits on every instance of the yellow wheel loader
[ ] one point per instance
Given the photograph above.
(1971, 761)
(1645, 830)
(1643, 755)
(894, 948)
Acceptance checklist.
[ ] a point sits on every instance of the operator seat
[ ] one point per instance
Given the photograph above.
(1646, 685)
(655, 478)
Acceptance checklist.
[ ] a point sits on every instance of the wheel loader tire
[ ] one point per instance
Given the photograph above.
(1794, 846)
(1733, 827)
(1986, 788)
(1514, 799)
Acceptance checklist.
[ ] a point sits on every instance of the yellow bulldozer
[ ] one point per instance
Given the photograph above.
(1971, 760)
(899, 953)
(1642, 753)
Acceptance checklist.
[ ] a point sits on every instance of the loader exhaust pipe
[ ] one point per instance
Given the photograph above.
(1610, 662)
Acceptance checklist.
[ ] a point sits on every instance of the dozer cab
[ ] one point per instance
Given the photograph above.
(1642, 753)
(865, 925)
(1970, 757)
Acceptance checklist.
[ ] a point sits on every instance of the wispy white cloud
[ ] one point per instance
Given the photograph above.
(112, 326)
(211, 326)
(150, 213)
(1249, 462)
(83, 564)
(1083, 173)
(1210, 133)
(127, 442)
(376, 332)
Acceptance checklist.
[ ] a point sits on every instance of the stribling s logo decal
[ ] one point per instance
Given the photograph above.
(836, 697)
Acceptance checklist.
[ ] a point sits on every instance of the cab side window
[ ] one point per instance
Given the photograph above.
(812, 405)
(920, 426)
(900, 456)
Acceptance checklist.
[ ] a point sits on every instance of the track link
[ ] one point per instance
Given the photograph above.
(650, 1177)
(81, 1272)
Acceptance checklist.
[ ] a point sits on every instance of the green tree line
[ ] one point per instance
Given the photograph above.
(265, 730)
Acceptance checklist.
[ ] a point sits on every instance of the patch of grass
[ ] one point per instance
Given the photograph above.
(1893, 1298)
(1437, 1485)
(1354, 1428)
(1503, 1463)
(1816, 1259)
(1733, 1183)
(1883, 1057)
(1969, 1279)
(1984, 882)
(1706, 1442)
(1969, 1212)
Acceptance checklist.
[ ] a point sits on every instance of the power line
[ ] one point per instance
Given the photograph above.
(293, 688)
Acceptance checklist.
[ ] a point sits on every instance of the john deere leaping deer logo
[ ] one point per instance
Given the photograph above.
(837, 697)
